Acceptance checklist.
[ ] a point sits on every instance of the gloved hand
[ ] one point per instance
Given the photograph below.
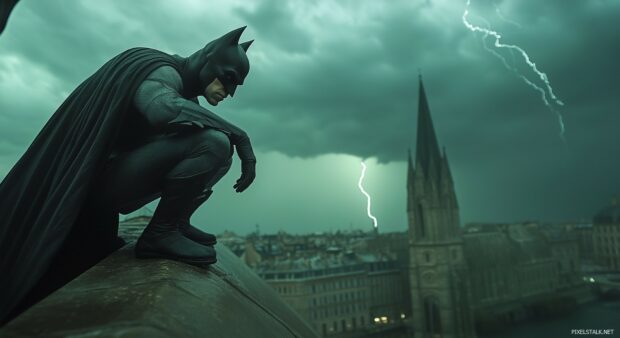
(248, 162)
(248, 173)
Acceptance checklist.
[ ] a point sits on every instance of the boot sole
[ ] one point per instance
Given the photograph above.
(175, 258)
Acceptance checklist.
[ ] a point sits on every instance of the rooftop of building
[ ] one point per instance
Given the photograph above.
(123, 296)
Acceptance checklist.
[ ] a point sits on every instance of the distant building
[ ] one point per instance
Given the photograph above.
(234, 242)
(584, 232)
(564, 243)
(340, 293)
(250, 256)
(387, 283)
(606, 236)
(518, 270)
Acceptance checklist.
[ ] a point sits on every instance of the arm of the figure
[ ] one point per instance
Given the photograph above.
(159, 101)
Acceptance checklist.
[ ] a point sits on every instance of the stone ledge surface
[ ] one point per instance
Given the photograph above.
(126, 297)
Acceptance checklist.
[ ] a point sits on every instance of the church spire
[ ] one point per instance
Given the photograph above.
(431, 201)
(427, 149)
(410, 169)
(446, 165)
(410, 181)
(447, 180)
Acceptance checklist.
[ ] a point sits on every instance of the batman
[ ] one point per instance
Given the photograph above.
(130, 133)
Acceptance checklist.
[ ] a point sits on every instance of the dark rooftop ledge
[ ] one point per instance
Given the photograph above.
(126, 297)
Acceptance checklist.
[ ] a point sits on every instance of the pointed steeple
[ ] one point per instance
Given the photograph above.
(427, 149)
(446, 165)
(410, 170)
(447, 178)
(410, 182)
(432, 208)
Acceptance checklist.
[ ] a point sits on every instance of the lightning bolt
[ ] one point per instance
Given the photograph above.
(513, 69)
(359, 184)
(512, 48)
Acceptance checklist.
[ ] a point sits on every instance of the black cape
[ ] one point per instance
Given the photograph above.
(45, 194)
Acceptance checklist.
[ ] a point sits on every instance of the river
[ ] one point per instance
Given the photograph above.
(598, 315)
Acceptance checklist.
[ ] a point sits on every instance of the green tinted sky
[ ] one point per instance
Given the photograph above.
(336, 81)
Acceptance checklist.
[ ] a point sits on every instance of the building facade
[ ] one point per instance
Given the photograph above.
(339, 294)
(606, 236)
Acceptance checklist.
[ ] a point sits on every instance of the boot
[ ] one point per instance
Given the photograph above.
(162, 237)
(189, 230)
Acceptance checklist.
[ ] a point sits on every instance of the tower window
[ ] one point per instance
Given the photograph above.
(421, 225)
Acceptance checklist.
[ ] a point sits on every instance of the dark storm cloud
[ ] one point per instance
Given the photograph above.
(77, 32)
(273, 18)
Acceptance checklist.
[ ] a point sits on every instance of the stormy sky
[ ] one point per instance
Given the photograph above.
(335, 82)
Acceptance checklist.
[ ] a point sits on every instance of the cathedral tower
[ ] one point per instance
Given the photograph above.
(439, 291)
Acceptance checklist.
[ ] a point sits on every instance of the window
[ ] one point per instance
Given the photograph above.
(420, 219)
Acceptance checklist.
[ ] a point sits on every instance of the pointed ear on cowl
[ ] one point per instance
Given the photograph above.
(246, 45)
